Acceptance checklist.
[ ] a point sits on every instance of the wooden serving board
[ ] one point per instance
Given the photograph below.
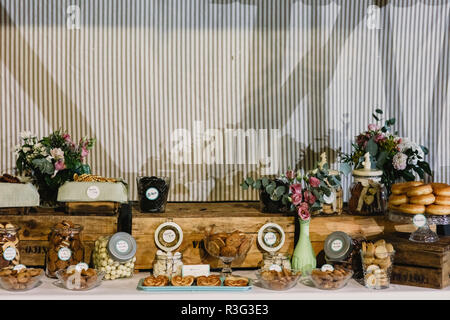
(196, 218)
(421, 264)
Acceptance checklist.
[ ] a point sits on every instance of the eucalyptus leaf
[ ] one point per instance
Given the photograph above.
(257, 184)
(381, 159)
(379, 111)
(271, 187)
(279, 191)
(408, 176)
(372, 147)
(44, 166)
(265, 181)
(249, 181)
(375, 117)
(244, 186)
(345, 168)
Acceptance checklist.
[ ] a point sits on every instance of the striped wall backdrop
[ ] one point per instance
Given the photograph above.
(162, 83)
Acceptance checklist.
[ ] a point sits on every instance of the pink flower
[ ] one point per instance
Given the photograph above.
(314, 182)
(296, 198)
(60, 165)
(379, 137)
(373, 127)
(303, 211)
(290, 174)
(84, 152)
(66, 137)
(57, 154)
(296, 188)
(309, 197)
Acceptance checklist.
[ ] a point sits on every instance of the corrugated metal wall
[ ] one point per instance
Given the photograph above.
(136, 71)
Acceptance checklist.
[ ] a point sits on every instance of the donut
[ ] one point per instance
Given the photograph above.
(437, 185)
(424, 200)
(419, 190)
(392, 207)
(399, 188)
(398, 199)
(442, 200)
(412, 208)
(438, 209)
(445, 191)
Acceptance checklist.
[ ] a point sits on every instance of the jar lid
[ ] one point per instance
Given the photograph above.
(168, 236)
(271, 237)
(367, 171)
(338, 246)
(122, 246)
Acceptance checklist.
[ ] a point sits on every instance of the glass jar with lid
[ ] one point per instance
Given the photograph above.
(368, 195)
(65, 247)
(9, 246)
(271, 238)
(168, 237)
(115, 255)
(344, 250)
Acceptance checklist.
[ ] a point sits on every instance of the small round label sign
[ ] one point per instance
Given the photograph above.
(19, 267)
(327, 267)
(81, 266)
(152, 193)
(169, 236)
(419, 220)
(64, 254)
(270, 238)
(275, 267)
(9, 253)
(93, 192)
(122, 246)
(336, 245)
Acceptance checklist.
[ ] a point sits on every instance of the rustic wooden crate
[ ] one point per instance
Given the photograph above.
(35, 228)
(421, 264)
(195, 218)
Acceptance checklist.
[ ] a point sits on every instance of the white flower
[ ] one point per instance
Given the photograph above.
(27, 135)
(26, 149)
(38, 146)
(407, 144)
(57, 153)
(49, 159)
(399, 161)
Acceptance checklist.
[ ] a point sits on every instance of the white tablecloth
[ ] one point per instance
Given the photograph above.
(125, 289)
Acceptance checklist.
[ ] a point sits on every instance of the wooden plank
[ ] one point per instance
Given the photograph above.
(38, 226)
(32, 252)
(91, 208)
(420, 277)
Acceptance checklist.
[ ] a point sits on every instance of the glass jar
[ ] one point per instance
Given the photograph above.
(115, 255)
(275, 261)
(9, 246)
(168, 264)
(344, 250)
(153, 193)
(368, 195)
(65, 248)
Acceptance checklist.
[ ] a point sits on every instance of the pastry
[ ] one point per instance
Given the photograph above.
(179, 281)
(442, 200)
(279, 280)
(20, 279)
(438, 185)
(210, 281)
(400, 188)
(419, 190)
(228, 244)
(438, 209)
(398, 199)
(231, 281)
(445, 191)
(412, 208)
(78, 280)
(159, 281)
(423, 200)
(330, 279)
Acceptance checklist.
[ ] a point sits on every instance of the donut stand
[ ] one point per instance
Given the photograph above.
(423, 234)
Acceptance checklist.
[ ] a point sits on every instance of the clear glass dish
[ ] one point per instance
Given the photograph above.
(34, 282)
(74, 286)
(278, 283)
(330, 283)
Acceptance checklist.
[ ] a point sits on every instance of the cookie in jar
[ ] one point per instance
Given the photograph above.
(168, 264)
(115, 255)
(368, 195)
(9, 246)
(65, 247)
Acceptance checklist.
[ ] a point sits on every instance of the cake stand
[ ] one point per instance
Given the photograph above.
(423, 234)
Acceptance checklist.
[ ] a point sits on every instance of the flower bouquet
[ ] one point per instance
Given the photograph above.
(399, 158)
(51, 161)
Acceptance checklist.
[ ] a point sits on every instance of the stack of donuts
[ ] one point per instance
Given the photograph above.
(415, 197)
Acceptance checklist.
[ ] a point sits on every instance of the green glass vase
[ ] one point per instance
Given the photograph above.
(304, 258)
